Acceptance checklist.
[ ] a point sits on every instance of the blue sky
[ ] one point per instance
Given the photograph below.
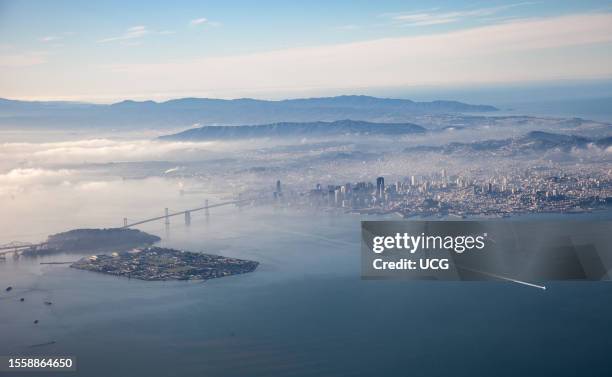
(112, 50)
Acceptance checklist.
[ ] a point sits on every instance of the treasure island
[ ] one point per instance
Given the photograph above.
(158, 264)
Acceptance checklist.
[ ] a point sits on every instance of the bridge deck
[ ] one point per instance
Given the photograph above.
(7, 249)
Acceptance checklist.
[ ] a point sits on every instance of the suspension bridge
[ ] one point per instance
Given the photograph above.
(16, 247)
(187, 213)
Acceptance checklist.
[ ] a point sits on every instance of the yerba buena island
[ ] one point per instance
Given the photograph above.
(156, 263)
(129, 252)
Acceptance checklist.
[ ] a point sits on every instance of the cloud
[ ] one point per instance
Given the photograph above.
(25, 166)
(565, 47)
(198, 21)
(135, 32)
(203, 21)
(520, 50)
(131, 33)
(434, 17)
(50, 38)
(105, 150)
(32, 176)
(94, 186)
(57, 37)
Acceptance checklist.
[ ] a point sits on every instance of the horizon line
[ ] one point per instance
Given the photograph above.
(338, 93)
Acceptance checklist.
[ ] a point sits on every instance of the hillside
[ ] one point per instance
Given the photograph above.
(189, 111)
(305, 129)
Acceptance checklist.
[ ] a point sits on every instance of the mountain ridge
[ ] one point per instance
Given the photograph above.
(295, 129)
(534, 141)
(192, 110)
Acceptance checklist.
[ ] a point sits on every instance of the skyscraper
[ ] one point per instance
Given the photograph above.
(380, 187)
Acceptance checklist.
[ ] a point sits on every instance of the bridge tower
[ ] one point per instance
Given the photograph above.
(167, 218)
(206, 211)
(187, 218)
(125, 222)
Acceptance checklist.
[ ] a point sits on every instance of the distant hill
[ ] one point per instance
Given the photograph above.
(93, 240)
(303, 129)
(188, 111)
(535, 141)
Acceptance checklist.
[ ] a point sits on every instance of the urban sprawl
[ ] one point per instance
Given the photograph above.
(531, 190)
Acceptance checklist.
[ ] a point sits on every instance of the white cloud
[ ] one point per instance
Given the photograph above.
(94, 186)
(198, 21)
(50, 38)
(435, 17)
(105, 150)
(31, 176)
(567, 47)
(203, 21)
(521, 50)
(131, 33)
(135, 32)
(25, 166)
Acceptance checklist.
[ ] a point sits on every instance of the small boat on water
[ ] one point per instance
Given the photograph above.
(42, 344)
(8, 289)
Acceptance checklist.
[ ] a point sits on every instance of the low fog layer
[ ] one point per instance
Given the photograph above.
(96, 181)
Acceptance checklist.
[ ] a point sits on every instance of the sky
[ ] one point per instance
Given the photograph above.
(114, 50)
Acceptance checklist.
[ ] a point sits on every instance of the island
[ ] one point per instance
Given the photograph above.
(87, 240)
(162, 264)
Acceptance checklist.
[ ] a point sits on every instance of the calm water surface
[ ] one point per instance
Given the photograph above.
(304, 312)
